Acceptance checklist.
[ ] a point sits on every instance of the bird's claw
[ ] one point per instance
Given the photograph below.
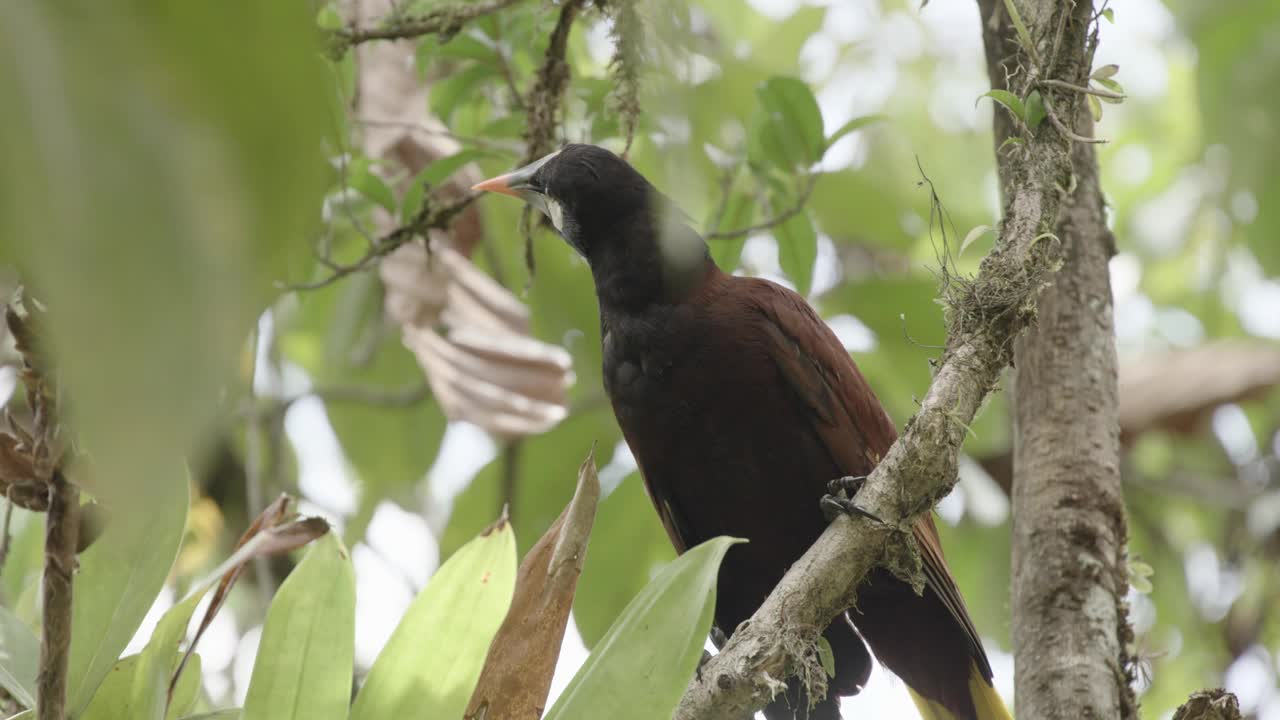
(839, 500)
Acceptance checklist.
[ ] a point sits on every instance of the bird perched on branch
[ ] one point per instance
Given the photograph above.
(740, 405)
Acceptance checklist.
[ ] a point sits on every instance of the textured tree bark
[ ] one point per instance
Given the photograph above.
(61, 527)
(1070, 622)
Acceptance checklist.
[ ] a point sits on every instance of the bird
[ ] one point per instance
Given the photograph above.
(741, 406)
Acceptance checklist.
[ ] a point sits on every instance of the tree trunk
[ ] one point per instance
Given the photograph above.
(1070, 622)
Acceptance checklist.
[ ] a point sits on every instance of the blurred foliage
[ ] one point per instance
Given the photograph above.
(153, 213)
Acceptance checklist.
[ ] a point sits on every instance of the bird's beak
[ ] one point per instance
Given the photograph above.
(515, 183)
(509, 184)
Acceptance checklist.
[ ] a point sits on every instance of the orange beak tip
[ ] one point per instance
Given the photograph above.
(498, 184)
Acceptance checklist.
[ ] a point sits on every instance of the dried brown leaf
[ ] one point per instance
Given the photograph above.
(522, 657)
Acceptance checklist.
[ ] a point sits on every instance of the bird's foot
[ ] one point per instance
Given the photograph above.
(839, 499)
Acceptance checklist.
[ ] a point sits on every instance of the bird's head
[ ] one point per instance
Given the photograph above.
(584, 190)
(630, 234)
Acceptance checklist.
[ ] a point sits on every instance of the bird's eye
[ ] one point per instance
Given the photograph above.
(556, 213)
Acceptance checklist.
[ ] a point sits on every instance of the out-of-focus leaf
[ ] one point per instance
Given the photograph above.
(853, 126)
(337, 334)
(545, 472)
(438, 171)
(361, 177)
(522, 656)
(119, 578)
(114, 699)
(148, 694)
(19, 651)
(642, 666)
(26, 552)
(228, 714)
(797, 250)
(447, 93)
(628, 546)
(154, 222)
(739, 212)
(972, 235)
(787, 132)
(460, 609)
(303, 666)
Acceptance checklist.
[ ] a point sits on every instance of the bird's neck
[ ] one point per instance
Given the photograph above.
(634, 276)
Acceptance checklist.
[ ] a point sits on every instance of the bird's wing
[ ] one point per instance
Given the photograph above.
(847, 416)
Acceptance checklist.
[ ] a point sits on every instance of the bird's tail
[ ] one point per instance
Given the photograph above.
(986, 701)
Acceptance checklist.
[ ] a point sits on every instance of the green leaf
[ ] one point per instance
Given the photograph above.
(826, 656)
(628, 546)
(739, 212)
(642, 666)
(787, 130)
(227, 714)
(159, 659)
(455, 89)
(155, 222)
(114, 699)
(1010, 102)
(440, 170)
(1095, 108)
(1035, 110)
(303, 667)
(328, 18)
(797, 250)
(119, 578)
(19, 653)
(1113, 86)
(433, 659)
(362, 179)
(853, 125)
(1110, 15)
(1105, 72)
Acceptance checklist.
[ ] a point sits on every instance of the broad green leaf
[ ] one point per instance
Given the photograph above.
(797, 250)
(159, 659)
(303, 667)
(153, 223)
(852, 126)
(228, 714)
(787, 131)
(114, 699)
(1111, 85)
(1011, 102)
(460, 609)
(641, 667)
(1105, 71)
(440, 170)
(119, 578)
(19, 653)
(628, 545)
(26, 552)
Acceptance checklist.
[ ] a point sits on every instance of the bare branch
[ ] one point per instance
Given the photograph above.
(62, 524)
(444, 22)
(1080, 89)
(430, 217)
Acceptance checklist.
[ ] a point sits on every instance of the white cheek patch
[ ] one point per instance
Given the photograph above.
(556, 213)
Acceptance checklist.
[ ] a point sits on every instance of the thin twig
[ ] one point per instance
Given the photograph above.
(62, 524)
(430, 217)
(776, 220)
(5, 536)
(1087, 90)
(444, 22)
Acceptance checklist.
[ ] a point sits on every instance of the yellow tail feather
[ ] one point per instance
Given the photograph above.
(986, 701)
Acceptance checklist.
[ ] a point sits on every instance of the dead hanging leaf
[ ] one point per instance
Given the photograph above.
(276, 530)
(468, 332)
(522, 657)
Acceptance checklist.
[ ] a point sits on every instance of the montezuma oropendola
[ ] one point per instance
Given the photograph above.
(740, 405)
